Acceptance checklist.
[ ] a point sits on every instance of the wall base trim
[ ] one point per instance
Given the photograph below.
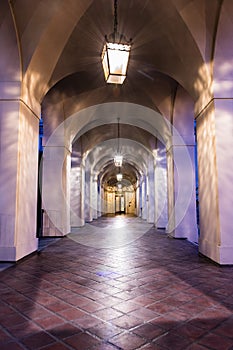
(218, 253)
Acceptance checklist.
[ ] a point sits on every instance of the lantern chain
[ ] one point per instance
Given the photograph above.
(115, 18)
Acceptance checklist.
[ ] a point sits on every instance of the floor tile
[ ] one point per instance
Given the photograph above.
(82, 341)
(4, 337)
(108, 314)
(110, 301)
(152, 347)
(58, 306)
(126, 306)
(87, 321)
(225, 328)
(63, 331)
(143, 300)
(71, 313)
(37, 340)
(92, 306)
(196, 347)
(189, 331)
(47, 321)
(126, 321)
(216, 342)
(12, 346)
(173, 341)
(13, 319)
(153, 294)
(57, 346)
(144, 314)
(149, 331)
(24, 329)
(161, 307)
(105, 347)
(127, 341)
(105, 331)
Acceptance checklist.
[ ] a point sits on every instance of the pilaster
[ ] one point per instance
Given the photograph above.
(56, 190)
(19, 129)
(215, 155)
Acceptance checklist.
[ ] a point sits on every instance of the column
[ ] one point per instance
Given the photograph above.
(215, 155)
(76, 196)
(83, 185)
(99, 199)
(151, 192)
(160, 178)
(137, 209)
(102, 201)
(19, 131)
(56, 190)
(182, 222)
(94, 196)
(88, 196)
(181, 192)
(144, 197)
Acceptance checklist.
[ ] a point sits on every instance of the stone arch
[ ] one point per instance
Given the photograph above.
(101, 114)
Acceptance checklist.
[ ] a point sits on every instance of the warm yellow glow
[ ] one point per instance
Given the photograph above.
(119, 177)
(115, 61)
(118, 160)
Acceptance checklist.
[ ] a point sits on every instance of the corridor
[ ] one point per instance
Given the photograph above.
(148, 292)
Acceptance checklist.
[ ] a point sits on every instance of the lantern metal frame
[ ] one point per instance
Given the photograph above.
(115, 54)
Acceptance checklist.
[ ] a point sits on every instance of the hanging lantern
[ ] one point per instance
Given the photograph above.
(115, 55)
(119, 177)
(115, 61)
(118, 159)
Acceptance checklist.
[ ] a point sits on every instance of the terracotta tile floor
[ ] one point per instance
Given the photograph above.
(154, 293)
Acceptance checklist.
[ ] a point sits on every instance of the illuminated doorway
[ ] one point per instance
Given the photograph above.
(119, 204)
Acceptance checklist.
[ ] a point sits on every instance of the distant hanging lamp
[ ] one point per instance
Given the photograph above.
(115, 54)
(119, 177)
(118, 159)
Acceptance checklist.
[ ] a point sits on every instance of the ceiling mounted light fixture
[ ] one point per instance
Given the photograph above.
(115, 54)
(119, 177)
(118, 159)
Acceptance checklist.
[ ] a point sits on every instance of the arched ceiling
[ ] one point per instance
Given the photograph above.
(100, 144)
(60, 43)
(105, 132)
(163, 42)
(59, 38)
(129, 171)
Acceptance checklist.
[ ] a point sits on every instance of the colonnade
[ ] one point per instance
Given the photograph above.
(19, 174)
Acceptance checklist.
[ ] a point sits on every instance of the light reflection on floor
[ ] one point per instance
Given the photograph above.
(153, 294)
(116, 232)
